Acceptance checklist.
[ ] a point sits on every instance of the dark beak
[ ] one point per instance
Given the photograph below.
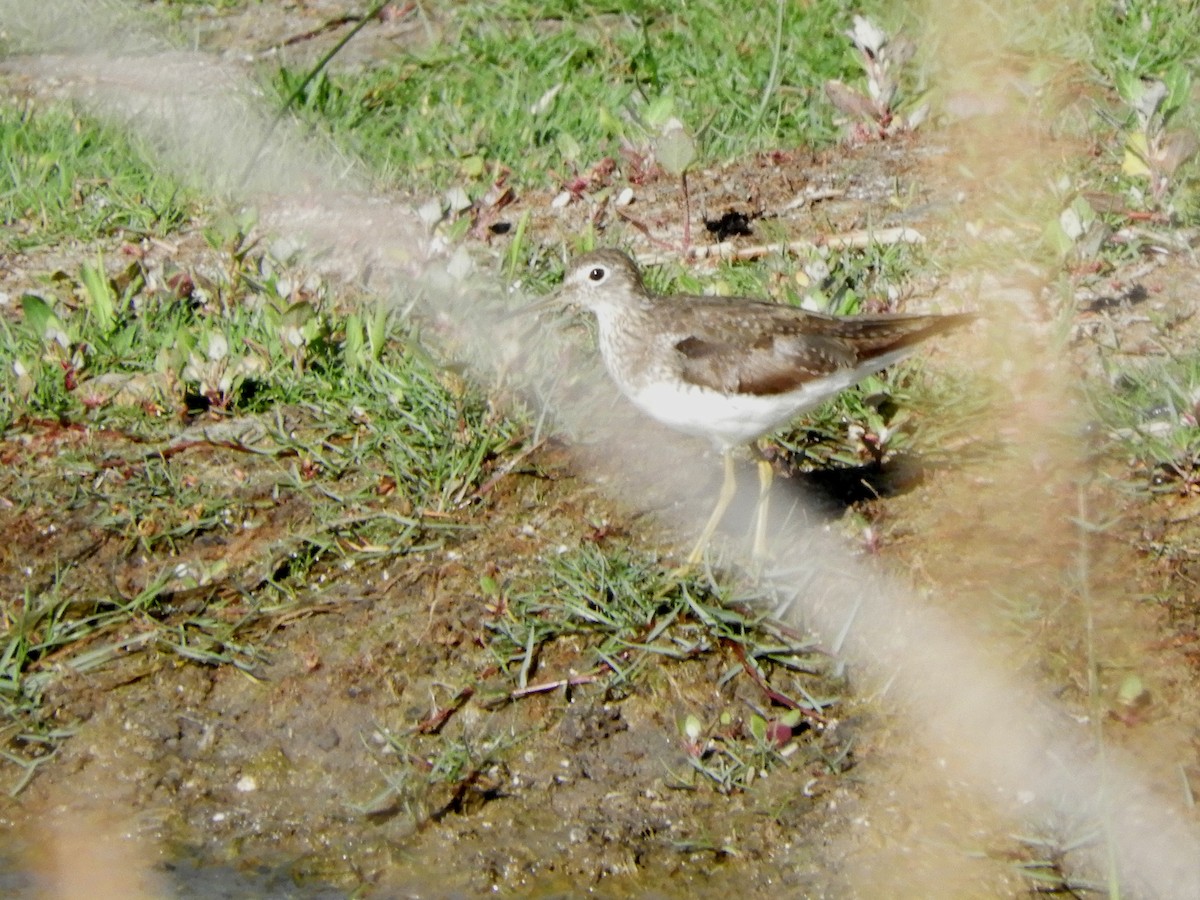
(551, 301)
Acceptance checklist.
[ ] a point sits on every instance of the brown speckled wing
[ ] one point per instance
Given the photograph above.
(776, 349)
(771, 364)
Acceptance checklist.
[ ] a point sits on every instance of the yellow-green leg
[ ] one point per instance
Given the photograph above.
(728, 489)
(761, 514)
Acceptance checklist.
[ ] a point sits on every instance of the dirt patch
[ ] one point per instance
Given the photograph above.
(307, 760)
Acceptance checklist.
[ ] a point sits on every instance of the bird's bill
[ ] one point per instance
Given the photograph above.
(553, 300)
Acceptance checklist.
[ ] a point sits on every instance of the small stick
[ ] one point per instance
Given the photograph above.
(434, 723)
(845, 241)
(553, 685)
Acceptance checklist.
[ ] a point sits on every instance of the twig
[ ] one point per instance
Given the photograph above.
(645, 229)
(553, 685)
(846, 241)
(504, 470)
(300, 88)
(434, 723)
(782, 699)
(332, 24)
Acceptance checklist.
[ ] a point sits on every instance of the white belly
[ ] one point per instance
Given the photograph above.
(726, 419)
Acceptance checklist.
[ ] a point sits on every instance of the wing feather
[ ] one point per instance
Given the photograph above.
(773, 349)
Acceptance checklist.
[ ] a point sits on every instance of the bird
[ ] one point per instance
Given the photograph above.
(731, 369)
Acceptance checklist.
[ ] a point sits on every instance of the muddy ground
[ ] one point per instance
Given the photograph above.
(273, 778)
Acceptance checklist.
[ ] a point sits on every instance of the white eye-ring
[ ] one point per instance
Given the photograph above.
(597, 274)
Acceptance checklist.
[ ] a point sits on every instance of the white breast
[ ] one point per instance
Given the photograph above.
(726, 419)
(732, 419)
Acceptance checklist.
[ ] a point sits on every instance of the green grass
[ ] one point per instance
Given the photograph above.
(1151, 415)
(239, 346)
(608, 621)
(1149, 38)
(1147, 41)
(251, 355)
(608, 616)
(245, 403)
(453, 112)
(67, 178)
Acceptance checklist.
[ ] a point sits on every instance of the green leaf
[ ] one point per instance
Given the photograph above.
(473, 166)
(355, 346)
(38, 314)
(1136, 152)
(1132, 691)
(568, 147)
(675, 149)
(1057, 238)
(45, 325)
(99, 295)
(609, 123)
(1179, 90)
(758, 727)
(1077, 218)
(377, 332)
(659, 111)
(516, 246)
(1128, 85)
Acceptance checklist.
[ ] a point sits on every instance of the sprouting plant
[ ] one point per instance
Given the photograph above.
(666, 143)
(882, 58)
(1154, 149)
(675, 150)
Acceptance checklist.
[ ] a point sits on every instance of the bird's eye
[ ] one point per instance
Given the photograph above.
(597, 274)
